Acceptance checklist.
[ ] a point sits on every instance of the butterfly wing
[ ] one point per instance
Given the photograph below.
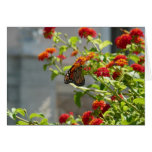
(74, 75)
(79, 79)
(69, 76)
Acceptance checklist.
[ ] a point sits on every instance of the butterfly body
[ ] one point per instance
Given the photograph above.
(74, 75)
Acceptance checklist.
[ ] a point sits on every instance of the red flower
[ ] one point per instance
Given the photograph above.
(85, 32)
(87, 117)
(142, 59)
(110, 64)
(121, 62)
(50, 50)
(74, 123)
(48, 32)
(138, 40)
(96, 121)
(87, 68)
(116, 75)
(74, 53)
(136, 52)
(90, 56)
(121, 56)
(43, 55)
(114, 97)
(138, 67)
(122, 41)
(63, 118)
(136, 32)
(102, 72)
(107, 106)
(61, 57)
(98, 104)
(71, 113)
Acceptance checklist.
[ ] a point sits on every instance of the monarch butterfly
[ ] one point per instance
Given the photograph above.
(74, 75)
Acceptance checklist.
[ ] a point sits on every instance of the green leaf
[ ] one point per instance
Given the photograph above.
(122, 86)
(107, 113)
(65, 68)
(140, 101)
(122, 104)
(45, 67)
(107, 54)
(94, 86)
(55, 39)
(22, 123)
(54, 74)
(62, 49)
(125, 108)
(10, 114)
(134, 74)
(90, 38)
(20, 111)
(104, 44)
(139, 80)
(77, 97)
(128, 46)
(13, 110)
(92, 50)
(97, 41)
(134, 58)
(73, 40)
(44, 122)
(123, 120)
(33, 115)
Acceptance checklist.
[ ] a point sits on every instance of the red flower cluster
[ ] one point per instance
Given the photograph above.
(142, 59)
(121, 60)
(121, 56)
(50, 50)
(107, 106)
(90, 56)
(103, 71)
(138, 40)
(87, 68)
(136, 52)
(87, 117)
(138, 67)
(96, 121)
(63, 117)
(116, 75)
(98, 105)
(61, 57)
(114, 97)
(45, 54)
(136, 32)
(133, 36)
(110, 64)
(122, 41)
(74, 53)
(48, 32)
(85, 32)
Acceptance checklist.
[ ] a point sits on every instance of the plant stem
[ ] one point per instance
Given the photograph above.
(119, 98)
(22, 119)
(95, 46)
(58, 68)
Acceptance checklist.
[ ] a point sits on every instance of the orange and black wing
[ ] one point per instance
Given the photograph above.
(74, 75)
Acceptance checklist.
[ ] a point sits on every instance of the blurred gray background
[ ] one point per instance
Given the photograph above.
(28, 86)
